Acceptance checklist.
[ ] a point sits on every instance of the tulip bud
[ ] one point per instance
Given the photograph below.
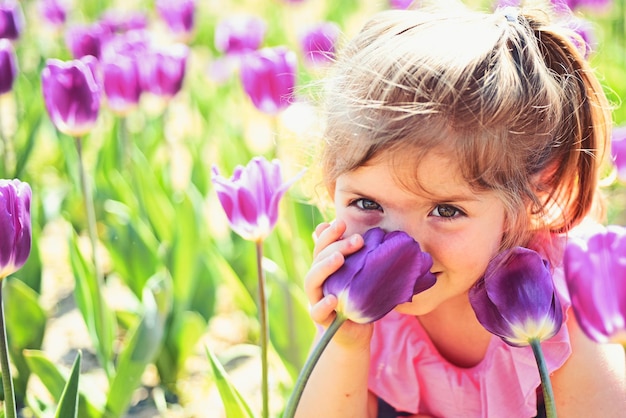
(71, 95)
(8, 66)
(15, 225)
(11, 20)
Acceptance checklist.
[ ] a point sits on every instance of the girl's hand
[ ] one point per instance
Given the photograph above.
(331, 248)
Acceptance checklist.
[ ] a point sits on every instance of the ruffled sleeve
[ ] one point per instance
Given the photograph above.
(408, 373)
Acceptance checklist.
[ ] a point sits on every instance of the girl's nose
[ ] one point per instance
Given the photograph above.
(417, 231)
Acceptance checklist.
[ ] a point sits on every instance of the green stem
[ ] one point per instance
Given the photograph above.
(308, 367)
(546, 385)
(264, 328)
(6, 151)
(7, 381)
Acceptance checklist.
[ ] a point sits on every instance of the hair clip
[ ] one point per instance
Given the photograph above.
(511, 14)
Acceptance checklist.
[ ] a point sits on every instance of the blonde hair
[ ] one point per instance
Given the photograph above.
(507, 95)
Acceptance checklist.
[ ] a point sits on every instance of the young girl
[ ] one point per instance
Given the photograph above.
(473, 133)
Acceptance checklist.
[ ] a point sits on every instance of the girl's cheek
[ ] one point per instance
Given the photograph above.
(359, 222)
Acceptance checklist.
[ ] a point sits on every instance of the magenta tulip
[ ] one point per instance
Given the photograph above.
(11, 20)
(115, 21)
(8, 66)
(251, 197)
(83, 40)
(318, 43)
(387, 271)
(268, 77)
(53, 11)
(618, 151)
(121, 84)
(178, 15)
(162, 71)
(239, 34)
(71, 95)
(595, 271)
(15, 225)
(400, 4)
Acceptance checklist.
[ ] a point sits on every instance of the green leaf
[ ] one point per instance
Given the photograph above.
(68, 404)
(234, 404)
(99, 319)
(90, 403)
(141, 345)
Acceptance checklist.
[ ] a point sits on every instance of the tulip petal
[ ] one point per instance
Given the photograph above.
(386, 272)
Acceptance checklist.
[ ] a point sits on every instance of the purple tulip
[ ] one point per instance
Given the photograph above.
(115, 21)
(83, 40)
(400, 4)
(53, 11)
(11, 20)
(517, 300)
(15, 225)
(121, 84)
(162, 71)
(239, 34)
(598, 5)
(387, 271)
(268, 77)
(618, 151)
(251, 197)
(71, 95)
(318, 43)
(8, 66)
(178, 15)
(595, 271)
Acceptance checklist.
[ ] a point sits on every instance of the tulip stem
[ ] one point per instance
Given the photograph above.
(309, 365)
(7, 381)
(264, 328)
(546, 385)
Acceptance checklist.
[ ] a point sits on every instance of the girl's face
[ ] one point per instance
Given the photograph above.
(461, 229)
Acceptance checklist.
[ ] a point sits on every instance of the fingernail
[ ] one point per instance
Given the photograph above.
(354, 239)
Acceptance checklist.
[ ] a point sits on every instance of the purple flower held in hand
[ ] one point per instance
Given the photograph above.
(517, 300)
(71, 95)
(268, 77)
(15, 225)
(11, 20)
(8, 66)
(618, 151)
(239, 34)
(595, 271)
(318, 43)
(251, 197)
(387, 271)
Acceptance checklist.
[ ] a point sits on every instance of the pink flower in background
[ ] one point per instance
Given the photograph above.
(618, 151)
(596, 5)
(268, 77)
(400, 4)
(15, 225)
(179, 15)
(11, 19)
(162, 71)
(239, 34)
(318, 43)
(53, 11)
(595, 271)
(8, 66)
(115, 21)
(71, 95)
(251, 197)
(84, 40)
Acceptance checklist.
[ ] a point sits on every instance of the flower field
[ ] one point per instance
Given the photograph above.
(137, 126)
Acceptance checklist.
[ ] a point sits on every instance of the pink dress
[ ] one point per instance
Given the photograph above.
(407, 372)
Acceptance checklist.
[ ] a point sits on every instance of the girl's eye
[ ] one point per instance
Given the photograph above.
(446, 211)
(366, 204)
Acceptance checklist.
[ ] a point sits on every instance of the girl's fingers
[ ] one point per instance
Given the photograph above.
(319, 272)
(327, 234)
(322, 311)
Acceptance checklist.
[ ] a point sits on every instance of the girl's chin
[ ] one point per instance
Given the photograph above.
(415, 307)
